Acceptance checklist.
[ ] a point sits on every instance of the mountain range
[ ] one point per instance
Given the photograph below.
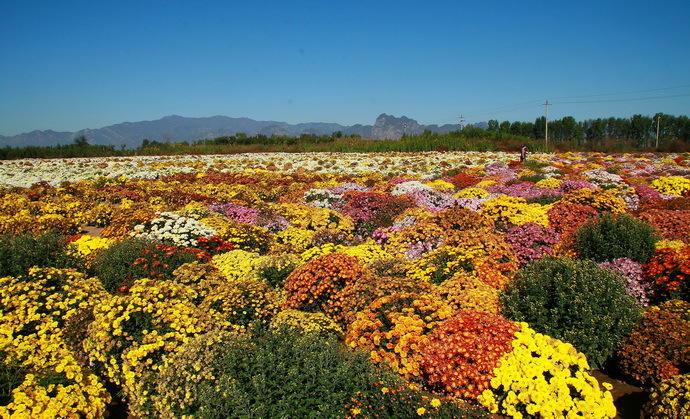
(177, 128)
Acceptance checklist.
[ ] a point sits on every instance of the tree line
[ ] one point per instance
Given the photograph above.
(638, 133)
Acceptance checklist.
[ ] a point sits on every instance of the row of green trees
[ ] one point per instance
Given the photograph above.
(638, 133)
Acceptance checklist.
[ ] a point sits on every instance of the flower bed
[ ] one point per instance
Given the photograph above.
(408, 270)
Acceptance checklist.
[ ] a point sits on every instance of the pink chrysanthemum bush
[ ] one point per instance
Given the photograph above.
(531, 241)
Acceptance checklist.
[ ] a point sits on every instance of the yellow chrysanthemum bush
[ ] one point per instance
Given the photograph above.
(478, 289)
(304, 322)
(318, 285)
(669, 399)
(394, 329)
(293, 240)
(461, 353)
(131, 333)
(544, 377)
(441, 264)
(599, 199)
(236, 264)
(506, 211)
(234, 305)
(672, 185)
(245, 236)
(41, 375)
(85, 247)
(313, 218)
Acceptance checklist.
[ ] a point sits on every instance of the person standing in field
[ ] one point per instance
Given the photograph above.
(523, 153)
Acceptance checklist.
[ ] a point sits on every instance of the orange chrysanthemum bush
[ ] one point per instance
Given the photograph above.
(566, 218)
(658, 347)
(479, 289)
(671, 225)
(489, 244)
(125, 219)
(461, 353)
(394, 329)
(318, 285)
(669, 269)
(234, 305)
(360, 294)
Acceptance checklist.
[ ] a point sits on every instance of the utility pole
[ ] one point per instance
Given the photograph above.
(658, 118)
(546, 140)
(462, 119)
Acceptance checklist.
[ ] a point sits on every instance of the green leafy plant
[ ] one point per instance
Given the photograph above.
(575, 301)
(19, 253)
(124, 262)
(277, 373)
(616, 236)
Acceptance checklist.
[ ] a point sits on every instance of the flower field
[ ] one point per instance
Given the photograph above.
(459, 284)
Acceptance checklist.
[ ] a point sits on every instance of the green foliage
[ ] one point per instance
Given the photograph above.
(270, 374)
(574, 301)
(616, 236)
(118, 266)
(11, 376)
(19, 253)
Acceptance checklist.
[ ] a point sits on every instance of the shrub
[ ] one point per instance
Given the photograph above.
(462, 352)
(672, 225)
(124, 262)
(669, 399)
(611, 237)
(566, 217)
(658, 347)
(574, 301)
(234, 305)
(274, 269)
(296, 321)
(278, 374)
(544, 377)
(19, 253)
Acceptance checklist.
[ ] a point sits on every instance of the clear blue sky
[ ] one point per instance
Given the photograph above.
(68, 65)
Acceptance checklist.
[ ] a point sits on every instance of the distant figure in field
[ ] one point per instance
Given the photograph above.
(523, 153)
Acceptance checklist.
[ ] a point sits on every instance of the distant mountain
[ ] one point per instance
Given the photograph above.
(176, 128)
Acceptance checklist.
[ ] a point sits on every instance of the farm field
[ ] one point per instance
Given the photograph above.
(457, 284)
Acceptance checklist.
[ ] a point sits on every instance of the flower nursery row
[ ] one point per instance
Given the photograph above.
(344, 285)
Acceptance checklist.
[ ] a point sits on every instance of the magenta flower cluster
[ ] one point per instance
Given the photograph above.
(531, 241)
(635, 283)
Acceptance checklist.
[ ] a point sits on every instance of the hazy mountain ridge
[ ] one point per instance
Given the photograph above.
(177, 128)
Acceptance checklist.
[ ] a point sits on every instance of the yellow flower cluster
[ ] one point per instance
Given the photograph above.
(304, 322)
(294, 240)
(233, 306)
(53, 383)
(311, 218)
(394, 328)
(544, 377)
(472, 192)
(85, 246)
(509, 210)
(131, 333)
(440, 185)
(366, 252)
(599, 199)
(443, 263)
(673, 185)
(236, 264)
(549, 183)
(244, 236)
(669, 399)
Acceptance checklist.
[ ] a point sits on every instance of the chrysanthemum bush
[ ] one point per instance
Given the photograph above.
(635, 282)
(394, 329)
(234, 305)
(669, 399)
(575, 301)
(671, 225)
(318, 284)
(545, 377)
(124, 262)
(531, 241)
(669, 271)
(478, 289)
(41, 374)
(461, 353)
(616, 236)
(658, 347)
(277, 373)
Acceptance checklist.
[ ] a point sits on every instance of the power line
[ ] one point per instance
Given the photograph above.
(625, 93)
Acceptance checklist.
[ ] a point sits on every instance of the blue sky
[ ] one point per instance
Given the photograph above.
(69, 65)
